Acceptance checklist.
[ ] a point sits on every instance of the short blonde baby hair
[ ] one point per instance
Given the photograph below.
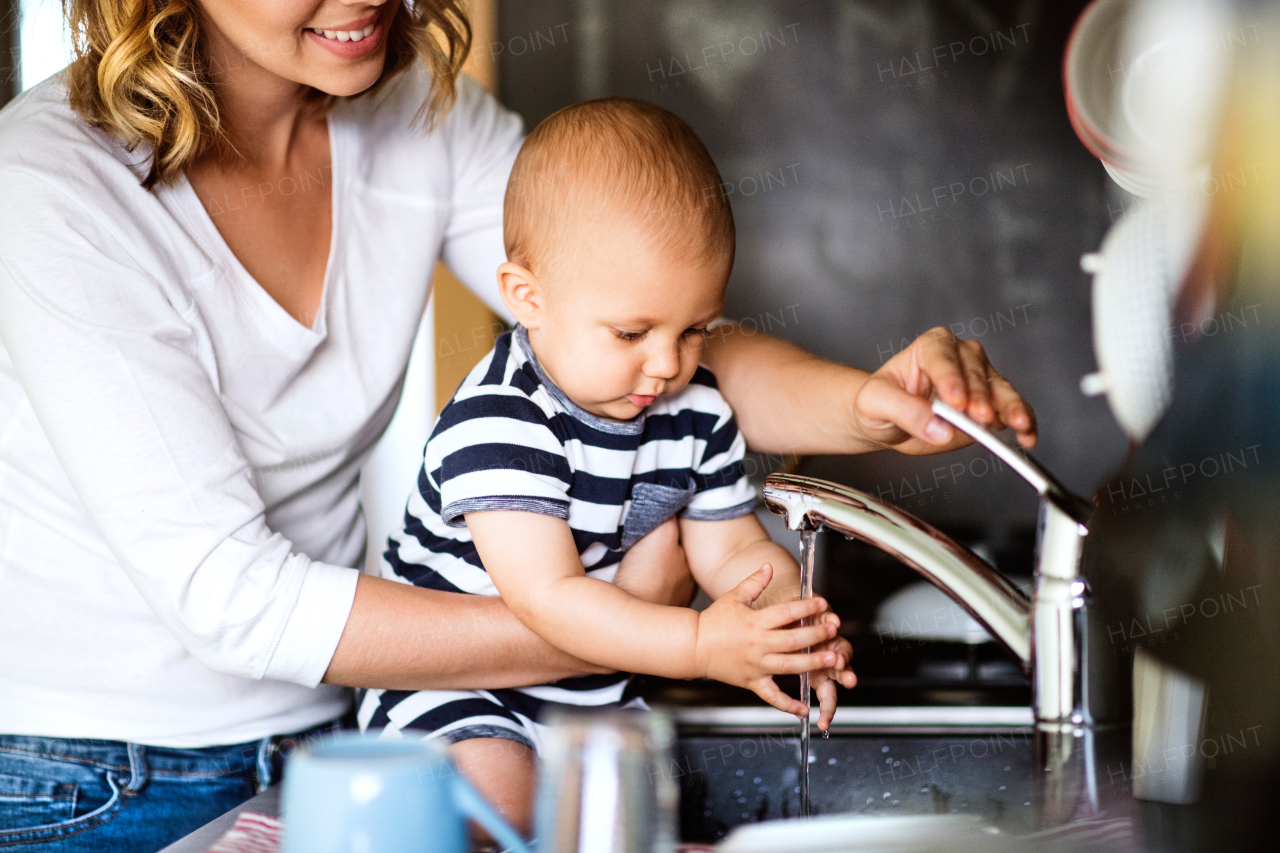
(615, 155)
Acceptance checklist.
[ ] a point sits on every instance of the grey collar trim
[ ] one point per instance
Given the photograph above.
(631, 427)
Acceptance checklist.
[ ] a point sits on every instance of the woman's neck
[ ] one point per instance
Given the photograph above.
(262, 113)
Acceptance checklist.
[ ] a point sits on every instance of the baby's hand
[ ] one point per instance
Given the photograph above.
(823, 681)
(746, 648)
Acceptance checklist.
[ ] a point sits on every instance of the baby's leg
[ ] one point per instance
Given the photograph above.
(504, 772)
(502, 769)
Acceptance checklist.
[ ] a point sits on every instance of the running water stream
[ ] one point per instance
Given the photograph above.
(808, 540)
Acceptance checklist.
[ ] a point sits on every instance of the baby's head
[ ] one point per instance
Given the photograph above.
(619, 242)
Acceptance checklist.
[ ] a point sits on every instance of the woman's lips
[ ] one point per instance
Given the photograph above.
(641, 400)
(350, 43)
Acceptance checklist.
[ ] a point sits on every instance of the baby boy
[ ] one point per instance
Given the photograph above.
(590, 425)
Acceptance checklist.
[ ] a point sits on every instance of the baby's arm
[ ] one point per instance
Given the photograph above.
(721, 553)
(534, 563)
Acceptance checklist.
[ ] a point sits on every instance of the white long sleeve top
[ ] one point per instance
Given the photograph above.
(179, 458)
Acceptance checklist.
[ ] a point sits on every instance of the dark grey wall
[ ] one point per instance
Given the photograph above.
(8, 50)
(894, 165)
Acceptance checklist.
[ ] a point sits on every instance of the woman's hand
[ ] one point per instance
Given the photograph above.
(791, 402)
(892, 408)
(655, 569)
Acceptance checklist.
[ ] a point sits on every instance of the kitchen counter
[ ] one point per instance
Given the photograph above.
(741, 767)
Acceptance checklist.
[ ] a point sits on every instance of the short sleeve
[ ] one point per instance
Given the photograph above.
(498, 450)
(722, 489)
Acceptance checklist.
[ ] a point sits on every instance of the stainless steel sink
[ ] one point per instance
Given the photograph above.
(736, 765)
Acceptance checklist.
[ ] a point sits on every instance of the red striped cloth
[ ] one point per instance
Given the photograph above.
(257, 833)
(251, 833)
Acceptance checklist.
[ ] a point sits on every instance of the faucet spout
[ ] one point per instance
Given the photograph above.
(1044, 633)
(999, 606)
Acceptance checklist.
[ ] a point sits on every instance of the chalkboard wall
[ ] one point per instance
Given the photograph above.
(9, 66)
(893, 166)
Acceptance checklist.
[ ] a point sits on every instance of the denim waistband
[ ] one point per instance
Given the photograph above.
(262, 757)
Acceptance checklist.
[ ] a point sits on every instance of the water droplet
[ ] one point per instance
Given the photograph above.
(742, 801)
(739, 773)
(745, 816)
(924, 790)
(991, 830)
(756, 781)
(1006, 768)
(1002, 787)
(897, 764)
(1026, 804)
(737, 793)
(826, 735)
(886, 795)
(870, 800)
(831, 761)
(886, 749)
(895, 802)
(888, 761)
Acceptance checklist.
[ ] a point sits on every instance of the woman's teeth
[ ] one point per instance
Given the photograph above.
(346, 35)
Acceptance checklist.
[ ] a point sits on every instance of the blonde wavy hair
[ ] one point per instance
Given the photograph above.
(141, 72)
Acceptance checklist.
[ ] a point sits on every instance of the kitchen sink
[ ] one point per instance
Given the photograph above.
(736, 765)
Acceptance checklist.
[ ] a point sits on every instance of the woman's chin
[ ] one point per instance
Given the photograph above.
(346, 85)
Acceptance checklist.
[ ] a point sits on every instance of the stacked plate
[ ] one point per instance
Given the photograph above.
(1143, 81)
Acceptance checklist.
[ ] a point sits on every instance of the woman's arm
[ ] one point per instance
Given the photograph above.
(789, 401)
(395, 634)
(401, 637)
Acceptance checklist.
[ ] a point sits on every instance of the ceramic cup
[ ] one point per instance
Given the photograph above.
(357, 794)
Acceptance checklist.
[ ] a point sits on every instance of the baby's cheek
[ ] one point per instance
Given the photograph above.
(691, 357)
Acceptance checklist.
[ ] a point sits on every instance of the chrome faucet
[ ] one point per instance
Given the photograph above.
(1045, 633)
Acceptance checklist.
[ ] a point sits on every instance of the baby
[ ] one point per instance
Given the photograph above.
(590, 425)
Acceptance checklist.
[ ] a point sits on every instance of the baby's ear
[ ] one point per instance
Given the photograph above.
(522, 293)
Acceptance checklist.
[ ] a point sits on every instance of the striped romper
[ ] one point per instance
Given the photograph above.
(511, 440)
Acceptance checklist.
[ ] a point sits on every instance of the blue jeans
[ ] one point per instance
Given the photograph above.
(83, 796)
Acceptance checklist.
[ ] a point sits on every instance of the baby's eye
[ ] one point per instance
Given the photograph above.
(704, 331)
(628, 336)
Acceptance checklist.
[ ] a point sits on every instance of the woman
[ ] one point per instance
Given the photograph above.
(216, 240)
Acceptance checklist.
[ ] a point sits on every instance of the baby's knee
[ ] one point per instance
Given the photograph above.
(504, 772)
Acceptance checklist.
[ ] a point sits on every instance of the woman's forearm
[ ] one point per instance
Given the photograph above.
(785, 400)
(790, 401)
(401, 637)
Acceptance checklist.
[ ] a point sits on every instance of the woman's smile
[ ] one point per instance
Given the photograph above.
(351, 40)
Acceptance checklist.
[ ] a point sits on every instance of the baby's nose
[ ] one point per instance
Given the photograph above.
(664, 363)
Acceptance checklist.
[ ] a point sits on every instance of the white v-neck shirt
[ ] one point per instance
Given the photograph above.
(179, 457)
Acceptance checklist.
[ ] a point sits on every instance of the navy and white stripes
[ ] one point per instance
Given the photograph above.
(511, 440)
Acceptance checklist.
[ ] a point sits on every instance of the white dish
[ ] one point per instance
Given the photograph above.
(866, 834)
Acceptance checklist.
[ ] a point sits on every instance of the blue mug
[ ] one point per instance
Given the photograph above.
(356, 794)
